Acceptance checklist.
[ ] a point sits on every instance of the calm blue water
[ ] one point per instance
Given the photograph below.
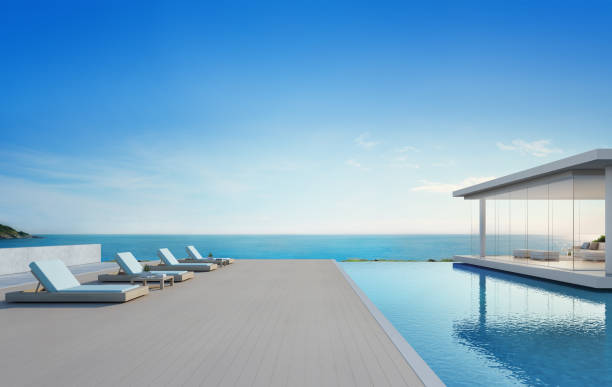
(419, 247)
(340, 247)
(480, 327)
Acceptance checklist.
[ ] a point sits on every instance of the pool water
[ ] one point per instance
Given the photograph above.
(478, 327)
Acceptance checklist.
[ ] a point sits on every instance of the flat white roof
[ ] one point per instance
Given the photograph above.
(594, 159)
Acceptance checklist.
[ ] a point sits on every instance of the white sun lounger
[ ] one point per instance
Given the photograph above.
(544, 255)
(520, 253)
(196, 257)
(538, 255)
(57, 284)
(130, 268)
(169, 262)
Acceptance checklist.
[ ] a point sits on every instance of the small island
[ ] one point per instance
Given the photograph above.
(7, 232)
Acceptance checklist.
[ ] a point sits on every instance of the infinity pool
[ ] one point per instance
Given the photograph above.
(480, 327)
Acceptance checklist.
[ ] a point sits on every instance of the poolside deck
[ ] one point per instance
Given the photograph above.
(255, 323)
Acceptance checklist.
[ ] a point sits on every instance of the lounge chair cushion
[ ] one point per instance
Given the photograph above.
(129, 263)
(585, 245)
(521, 253)
(53, 275)
(593, 245)
(193, 252)
(543, 255)
(100, 289)
(167, 257)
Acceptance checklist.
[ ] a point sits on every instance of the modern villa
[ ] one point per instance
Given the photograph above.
(547, 222)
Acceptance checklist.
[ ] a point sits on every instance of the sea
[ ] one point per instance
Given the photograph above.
(339, 247)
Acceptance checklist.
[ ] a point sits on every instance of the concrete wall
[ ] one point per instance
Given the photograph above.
(16, 260)
(589, 279)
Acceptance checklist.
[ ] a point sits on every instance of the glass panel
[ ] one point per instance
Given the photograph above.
(560, 238)
(498, 226)
(589, 222)
(474, 228)
(538, 224)
(491, 237)
(518, 225)
(503, 226)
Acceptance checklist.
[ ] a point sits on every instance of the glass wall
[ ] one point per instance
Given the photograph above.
(474, 227)
(548, 222)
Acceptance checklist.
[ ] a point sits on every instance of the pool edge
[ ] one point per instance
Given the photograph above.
(414, 360)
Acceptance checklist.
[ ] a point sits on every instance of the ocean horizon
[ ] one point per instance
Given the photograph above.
(419, 247)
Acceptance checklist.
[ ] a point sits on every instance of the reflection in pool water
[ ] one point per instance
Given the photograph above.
(480, 327)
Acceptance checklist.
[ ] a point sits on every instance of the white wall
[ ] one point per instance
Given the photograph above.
(16, 260)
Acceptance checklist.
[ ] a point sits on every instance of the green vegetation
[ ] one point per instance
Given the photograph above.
(7, 232)
(210, 255)
(601, 239)
(394, 260)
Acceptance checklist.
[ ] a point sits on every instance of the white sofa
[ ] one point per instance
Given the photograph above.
(539, 255)
(595, 252)
(521, 253)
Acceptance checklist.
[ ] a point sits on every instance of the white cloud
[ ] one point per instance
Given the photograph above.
(131, 191)
(403, 162)
(538, 148)
(436, 187)
(353, 163)
(356, 164)
(399, 158)
(408, 148)
(364, 141)
(444, 164)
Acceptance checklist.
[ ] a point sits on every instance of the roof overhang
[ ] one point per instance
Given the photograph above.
(591, 160)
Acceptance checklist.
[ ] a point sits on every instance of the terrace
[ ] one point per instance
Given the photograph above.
(257, 322)
(547, 222)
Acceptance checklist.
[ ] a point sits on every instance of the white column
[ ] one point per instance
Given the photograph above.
(483, 227)
(608, 220)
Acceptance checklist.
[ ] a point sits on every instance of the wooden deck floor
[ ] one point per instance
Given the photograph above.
(255, 323)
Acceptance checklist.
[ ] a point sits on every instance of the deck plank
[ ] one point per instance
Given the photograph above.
(255, 323)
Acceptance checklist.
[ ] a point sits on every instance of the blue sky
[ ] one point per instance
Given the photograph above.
(351, 117)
